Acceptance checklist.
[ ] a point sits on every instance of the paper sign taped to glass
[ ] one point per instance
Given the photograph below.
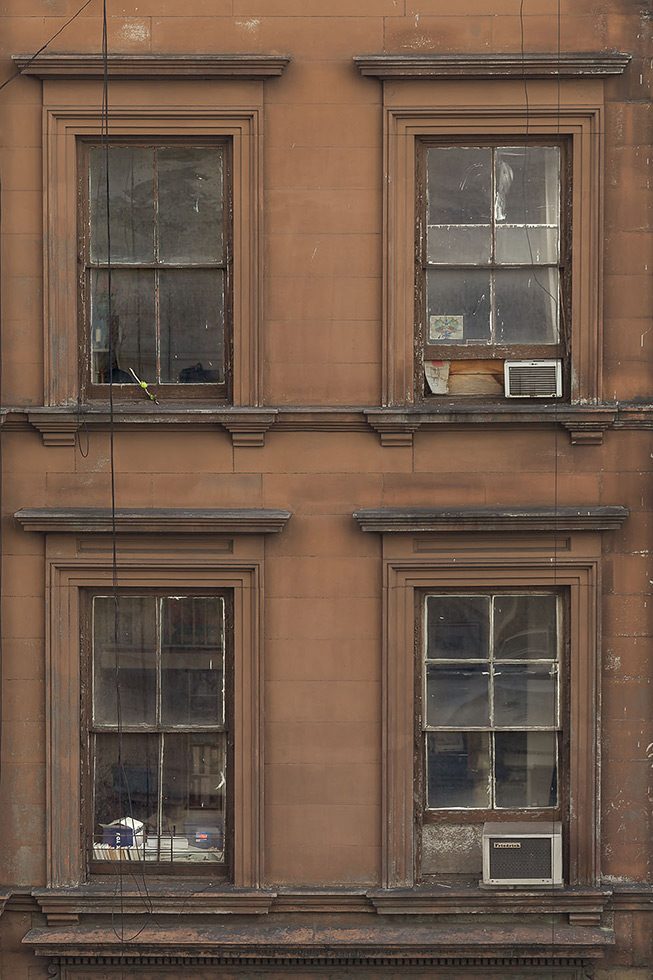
(437, 376)
(445, 327)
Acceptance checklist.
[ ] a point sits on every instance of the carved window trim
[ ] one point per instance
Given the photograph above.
(202, 98)
(494, 97)
(78, 560)
(488, 550)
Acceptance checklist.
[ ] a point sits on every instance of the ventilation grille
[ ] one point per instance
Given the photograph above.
(533, 379)
(522, 853)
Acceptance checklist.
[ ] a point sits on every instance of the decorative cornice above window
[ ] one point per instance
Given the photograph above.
(146, 66)
(98, 520)
(524, 519)
(490, 65)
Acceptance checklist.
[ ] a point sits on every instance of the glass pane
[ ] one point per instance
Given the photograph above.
(458, 306)
(459, 185)
(131, 203)
(458, 769)
(461, 244)
(525, 695)
(192, 326)
(526, 244)
(525, 627)
(124, 660)
(457, 697)
(132, 324)
(125, 794)
(527, 306)
(192, 660)
(190, 203)
(194, 794)
(526, 771)
(527, 185)
(457, 627)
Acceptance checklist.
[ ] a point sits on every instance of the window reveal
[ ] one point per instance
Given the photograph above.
(492, 262)
(158, 738)
(491, 701)
(168, 250)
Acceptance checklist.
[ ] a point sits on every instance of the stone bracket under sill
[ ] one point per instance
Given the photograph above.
(60, 427)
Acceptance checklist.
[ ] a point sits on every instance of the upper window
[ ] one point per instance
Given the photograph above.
(164, 247)
(158, 734)
(491, 713)
(492, 263)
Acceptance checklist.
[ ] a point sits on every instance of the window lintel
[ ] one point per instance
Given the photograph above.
(144, 66)
(173, 520)
(492, 65)
(505, 519)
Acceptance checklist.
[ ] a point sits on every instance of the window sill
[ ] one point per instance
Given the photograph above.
(585, 424)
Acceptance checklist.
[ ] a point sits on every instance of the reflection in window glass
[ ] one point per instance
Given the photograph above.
(159, 740)
(457, 627)
(526, 769)
(491, 663)
(489, 210)
(168, 256)
(458, 769)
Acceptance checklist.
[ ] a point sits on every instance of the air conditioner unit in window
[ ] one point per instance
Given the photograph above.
(533, 379)
(522, 853)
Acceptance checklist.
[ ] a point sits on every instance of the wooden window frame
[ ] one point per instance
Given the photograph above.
(413, 564)
(150, 112)
(88, 730)
(492, 110)
(80, 563)
(469, 815)
(479, 350)
(171, 391)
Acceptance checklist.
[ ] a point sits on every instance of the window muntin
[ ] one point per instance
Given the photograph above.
(170, 267)
(493, 260)
(491, 716)
(158, 732)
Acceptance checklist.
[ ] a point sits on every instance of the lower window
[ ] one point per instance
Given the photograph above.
(491, 733)
(158, 743)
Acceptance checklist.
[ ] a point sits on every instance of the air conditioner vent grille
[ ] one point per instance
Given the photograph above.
(533, 379)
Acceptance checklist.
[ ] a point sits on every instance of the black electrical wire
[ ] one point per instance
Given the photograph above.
(20, 71)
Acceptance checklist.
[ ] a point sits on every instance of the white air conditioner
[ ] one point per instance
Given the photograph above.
(522, 853)
(533, 379)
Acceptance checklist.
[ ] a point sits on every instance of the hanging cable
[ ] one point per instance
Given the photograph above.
(20, 71)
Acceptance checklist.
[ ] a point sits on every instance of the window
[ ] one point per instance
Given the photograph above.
(188, 659)
(492, 262)
(168, 250)
(198, 118)
(505, 143)
(491, 672)
(491, 702)
(158, 740)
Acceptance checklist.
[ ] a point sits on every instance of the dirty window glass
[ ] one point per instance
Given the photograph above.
(491, 700)
(495, 209)
(164, 236)
(158, 739)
